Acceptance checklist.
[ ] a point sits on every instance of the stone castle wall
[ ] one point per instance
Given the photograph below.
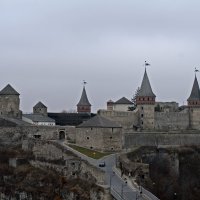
(9, 106)
(104, 139)
(125, 119)
(161, 138)
(42, 111)
(194, 114)
(147, 118)
(9, 135)
(171, 120)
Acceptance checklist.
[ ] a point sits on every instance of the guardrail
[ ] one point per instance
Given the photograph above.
(149, 195)
(115, 194)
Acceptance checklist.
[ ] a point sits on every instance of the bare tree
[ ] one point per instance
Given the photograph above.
(132, 108)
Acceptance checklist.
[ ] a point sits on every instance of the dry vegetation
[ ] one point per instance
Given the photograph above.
(39, 183)
(164, 180)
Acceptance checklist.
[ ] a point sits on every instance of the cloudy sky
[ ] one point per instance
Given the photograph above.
(48, 47)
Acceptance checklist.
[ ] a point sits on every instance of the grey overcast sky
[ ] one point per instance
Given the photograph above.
(47, 47)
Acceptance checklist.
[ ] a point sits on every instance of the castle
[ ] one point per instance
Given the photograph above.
(148, 115)
(113, 128)
(152, 115)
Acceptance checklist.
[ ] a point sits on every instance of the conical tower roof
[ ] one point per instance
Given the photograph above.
(8, 90)
(84, 100)
(39, 105)
(195, 93)
(145, 89)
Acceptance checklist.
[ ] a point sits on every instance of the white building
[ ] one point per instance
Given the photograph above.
(38, 119)
(122, 104)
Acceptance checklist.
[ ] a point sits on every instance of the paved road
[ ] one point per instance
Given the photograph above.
(116, 183)
(123, 188)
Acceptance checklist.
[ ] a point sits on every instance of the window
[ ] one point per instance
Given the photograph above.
(88, 138)
(142, 115)
(110, 137)
(37, 136)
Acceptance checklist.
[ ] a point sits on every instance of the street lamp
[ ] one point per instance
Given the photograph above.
(111, 176)
(137, 196)
(123, 185)
(175, 196)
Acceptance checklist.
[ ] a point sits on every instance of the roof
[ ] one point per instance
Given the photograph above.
(145, 89)
(72, 119)
(7, 121)
(99, 122)
(124, 100)
(195, 93)
(8, 90)
(38, 118)
(84, 100)
(39, 105)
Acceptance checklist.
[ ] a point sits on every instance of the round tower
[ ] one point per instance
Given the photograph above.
(84, 105)
(9, 102)
(194, 106)
(110, 104)
(194, 98)
(40, 108)
(145, 101)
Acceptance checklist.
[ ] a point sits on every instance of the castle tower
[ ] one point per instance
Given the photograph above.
(84, 105)
(194, 99)
(194, 106)
(110, 104)
(145, 101)
(40, 108)
(9, 102)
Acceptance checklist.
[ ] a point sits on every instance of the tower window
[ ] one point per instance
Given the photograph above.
(142, 108)
(88, 138)
(142, 115)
